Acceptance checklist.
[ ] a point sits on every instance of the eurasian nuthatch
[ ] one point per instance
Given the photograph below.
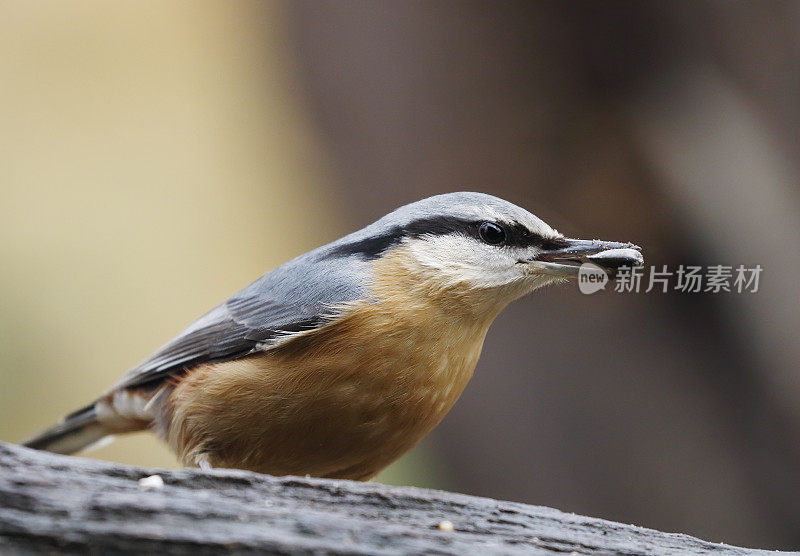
(337, 362)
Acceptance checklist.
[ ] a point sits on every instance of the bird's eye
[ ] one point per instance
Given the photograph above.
(491, 233)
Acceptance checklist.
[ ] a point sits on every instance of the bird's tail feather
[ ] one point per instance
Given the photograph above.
(76, 432)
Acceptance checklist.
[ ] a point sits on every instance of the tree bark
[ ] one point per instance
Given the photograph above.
(51, 503)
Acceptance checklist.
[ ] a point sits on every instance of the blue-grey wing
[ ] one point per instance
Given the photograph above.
(294, 297)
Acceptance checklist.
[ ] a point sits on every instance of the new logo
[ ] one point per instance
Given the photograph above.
(591, 278)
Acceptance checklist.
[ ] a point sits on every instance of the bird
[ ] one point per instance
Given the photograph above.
(339, 361)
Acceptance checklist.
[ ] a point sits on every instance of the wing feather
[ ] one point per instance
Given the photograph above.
(294, 297)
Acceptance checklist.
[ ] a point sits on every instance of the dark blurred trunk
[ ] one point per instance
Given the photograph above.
(661, 409)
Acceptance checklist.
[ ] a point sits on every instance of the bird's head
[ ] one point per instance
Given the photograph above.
(481, 247)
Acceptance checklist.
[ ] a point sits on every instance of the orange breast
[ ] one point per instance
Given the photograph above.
(342, 401)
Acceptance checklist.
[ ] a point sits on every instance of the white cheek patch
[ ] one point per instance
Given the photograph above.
(459, 259)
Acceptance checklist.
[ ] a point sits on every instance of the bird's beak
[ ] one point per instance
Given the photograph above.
(563, 257)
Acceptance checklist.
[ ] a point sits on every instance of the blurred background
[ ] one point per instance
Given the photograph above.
(158, 156)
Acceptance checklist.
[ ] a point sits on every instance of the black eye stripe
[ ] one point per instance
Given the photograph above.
(516, 235)
(552, 244)
(521, 236)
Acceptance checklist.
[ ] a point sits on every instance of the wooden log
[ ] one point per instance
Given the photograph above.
(51, 503)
